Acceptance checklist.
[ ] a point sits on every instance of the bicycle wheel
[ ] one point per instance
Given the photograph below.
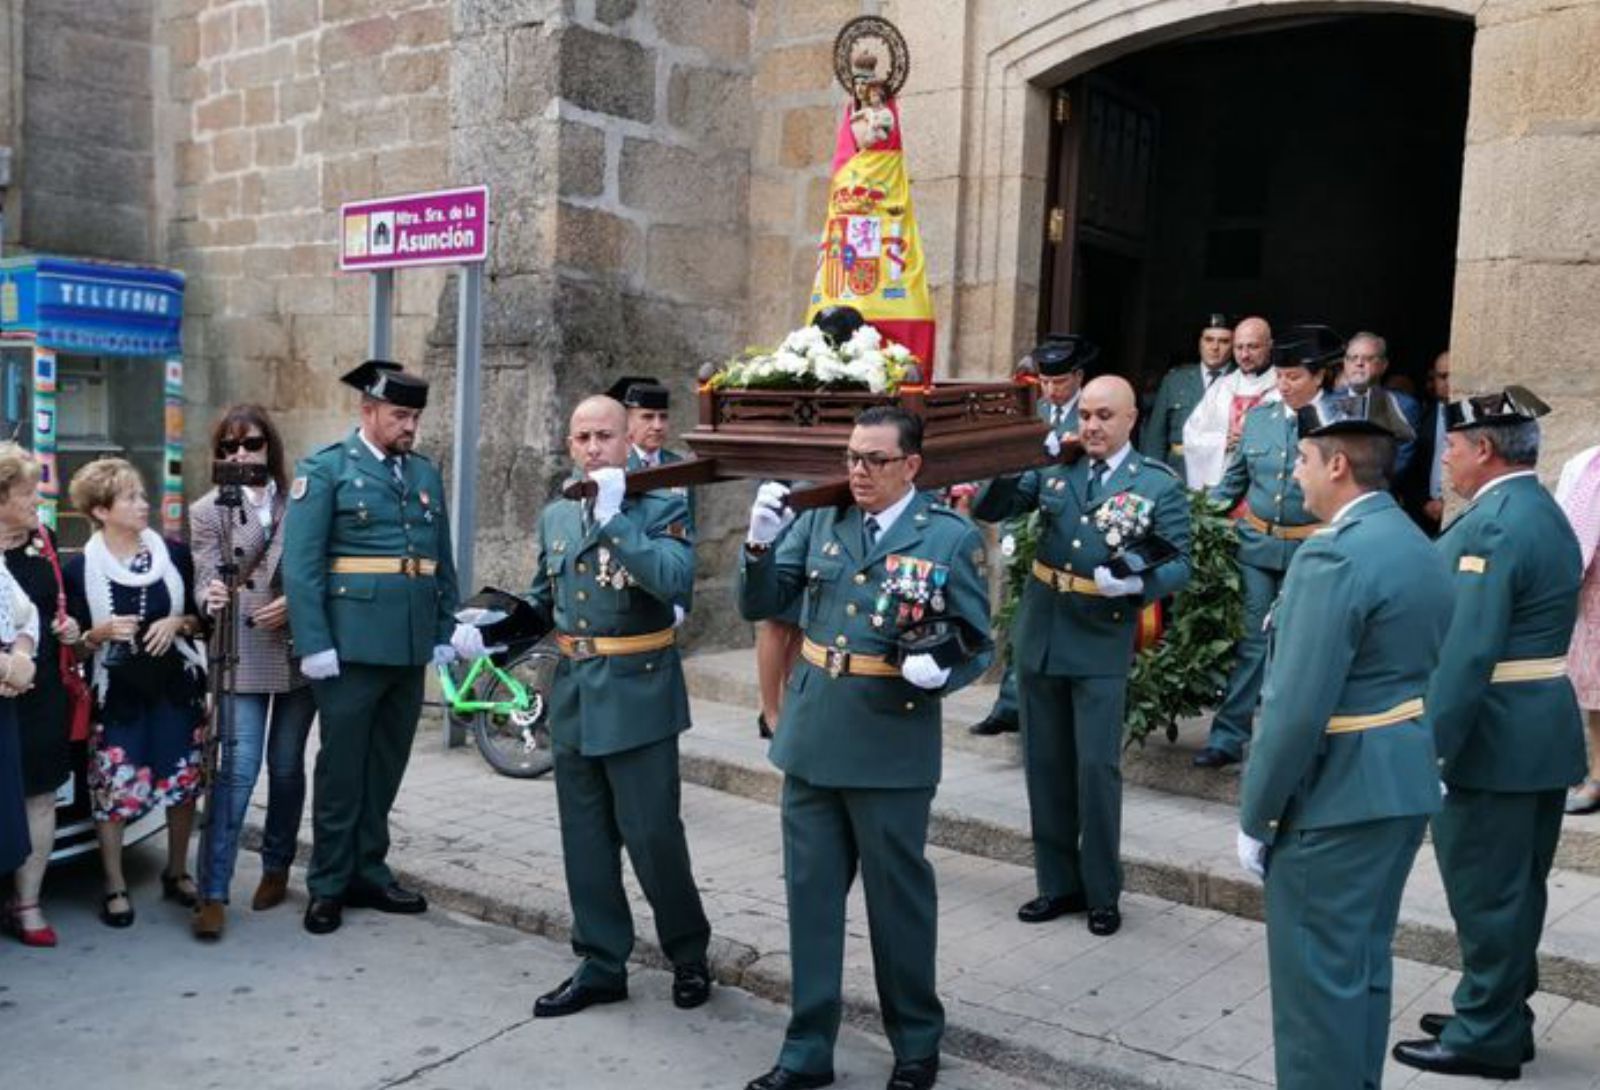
(517, 743)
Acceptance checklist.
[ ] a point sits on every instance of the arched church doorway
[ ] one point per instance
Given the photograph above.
(1305, 168)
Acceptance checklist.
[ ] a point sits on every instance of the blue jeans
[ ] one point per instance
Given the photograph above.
(285, 745)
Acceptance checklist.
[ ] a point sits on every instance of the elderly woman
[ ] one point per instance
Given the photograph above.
(132, 592)
(19, 629)
(271, 701)
(42, 711)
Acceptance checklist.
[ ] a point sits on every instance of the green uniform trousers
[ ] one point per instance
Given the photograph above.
(1072, 756)
(1333, 896)
(1230, 728)
(1495, 851)
(826, 833)
(629, 799)
(368, 716)
(1005, 703)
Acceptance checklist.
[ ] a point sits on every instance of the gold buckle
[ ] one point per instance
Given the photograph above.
(838, 662)
(582, 648)
(410, 566)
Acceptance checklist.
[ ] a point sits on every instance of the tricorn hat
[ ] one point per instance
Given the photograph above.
(1314, 347)
(384, 380)
(950, 640)
(1063, 353)
(506, 619)
(640, 392)
(1216, 319)
(1513, 405)
(1371, 412)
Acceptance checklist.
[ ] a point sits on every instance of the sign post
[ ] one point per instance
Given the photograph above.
(447, 227)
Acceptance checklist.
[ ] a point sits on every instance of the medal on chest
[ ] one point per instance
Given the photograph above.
(912, 588)
(608, 572)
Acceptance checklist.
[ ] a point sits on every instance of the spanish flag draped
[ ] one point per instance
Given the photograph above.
(870, 254)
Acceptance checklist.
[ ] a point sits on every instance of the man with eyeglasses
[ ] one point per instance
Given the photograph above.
(371, 583)
(1060, 362)
(1182, 389)
(896, 616)
(1074, 643)
(1366, 363)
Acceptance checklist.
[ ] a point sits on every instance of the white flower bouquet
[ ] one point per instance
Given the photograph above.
(808, 360)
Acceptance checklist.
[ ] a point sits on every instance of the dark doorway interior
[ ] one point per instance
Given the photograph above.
(1307, 170)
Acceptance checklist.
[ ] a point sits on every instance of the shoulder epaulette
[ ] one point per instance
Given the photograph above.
(1152, 463)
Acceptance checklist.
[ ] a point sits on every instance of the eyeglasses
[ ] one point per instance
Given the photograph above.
(871, 460)
(255, 444)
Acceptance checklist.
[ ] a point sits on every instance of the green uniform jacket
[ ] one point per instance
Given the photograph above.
(1517, 571)
(865, 731)
(1356, 631)
(344, 502)
(1261, 472)
(1181, 390)
(1082, 635)
(667, 458)
(612, 703)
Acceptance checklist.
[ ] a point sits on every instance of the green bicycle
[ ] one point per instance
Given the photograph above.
(503, 700)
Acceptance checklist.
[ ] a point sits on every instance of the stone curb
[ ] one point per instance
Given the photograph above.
(1197, 886)
(1010, 1045)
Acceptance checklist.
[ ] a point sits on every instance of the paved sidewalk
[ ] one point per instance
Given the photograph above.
(1178, 998)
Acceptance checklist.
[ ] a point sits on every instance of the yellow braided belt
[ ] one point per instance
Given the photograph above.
(588, 647)
(409, 566)
(1350, 724)
(841, 663)
(1063, 582)
(1528, 670)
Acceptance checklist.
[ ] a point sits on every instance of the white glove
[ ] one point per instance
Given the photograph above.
(923, 672)
(443, 654)
(467, 640)
(768, 515)
(1112, 587)
(611, 483)
(679, 615)
(1052, 443)
(1252, 855)
(1444, 790)
(321, 666)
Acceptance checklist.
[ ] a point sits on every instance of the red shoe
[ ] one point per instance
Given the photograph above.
(11, 921)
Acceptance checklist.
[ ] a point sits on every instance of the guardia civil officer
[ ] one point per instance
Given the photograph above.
(859, 739)
(1061, 362)
(606, 578)
(371, 584)
(1073, 643)
(1181, 390)
(1341, 777)
(1507, 726)
(1272, 524)
(649, 410)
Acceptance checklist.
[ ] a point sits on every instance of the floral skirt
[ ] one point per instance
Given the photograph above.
(138, 762)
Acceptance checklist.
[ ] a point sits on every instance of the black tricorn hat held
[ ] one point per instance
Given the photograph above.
(640, 392)
(950, 640)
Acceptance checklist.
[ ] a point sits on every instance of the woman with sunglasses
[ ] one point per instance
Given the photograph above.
(271, 701)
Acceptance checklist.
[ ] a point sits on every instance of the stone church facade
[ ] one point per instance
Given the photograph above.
(658, 171)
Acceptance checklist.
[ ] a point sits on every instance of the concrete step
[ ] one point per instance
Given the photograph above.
(1177, 999)
(1176, 848)
(729, 677)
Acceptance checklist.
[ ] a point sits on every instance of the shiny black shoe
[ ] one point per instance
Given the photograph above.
(763, 731)
(914, 1074)
(570, 997)
(1430, 1055)
(781, 1078)
(117, 919)
(1433, 1025)
(994, 724)
(1045, 909)
(691, 985)
(391, 898)
(1213, 758)
(180, 888)
(324, 915)
(1105, 921)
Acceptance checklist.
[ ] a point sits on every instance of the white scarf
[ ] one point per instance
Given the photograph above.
(101, 569)
(18, 617)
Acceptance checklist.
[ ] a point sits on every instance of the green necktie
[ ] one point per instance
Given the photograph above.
(1097, 478)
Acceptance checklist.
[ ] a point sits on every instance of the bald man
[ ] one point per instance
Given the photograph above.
(1073, 643)
(1212, 430)
(607, 574)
